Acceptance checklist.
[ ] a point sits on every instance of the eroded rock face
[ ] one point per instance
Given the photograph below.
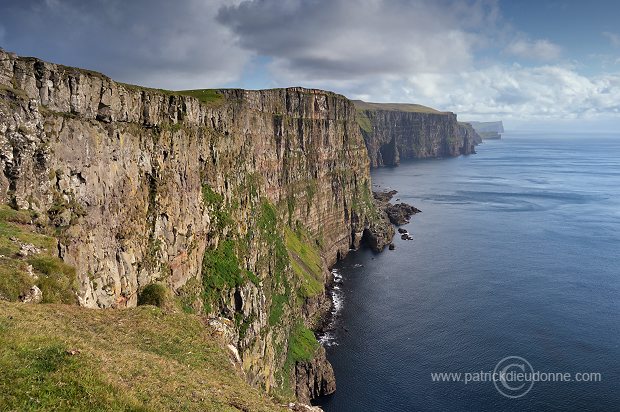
(140, 184)
(314, 378)
(392, 135)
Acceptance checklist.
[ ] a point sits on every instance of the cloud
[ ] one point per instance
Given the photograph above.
(159, 44)
(344, 39)
(543, 50)
(614, 38)
(517, 92)
(423, 51)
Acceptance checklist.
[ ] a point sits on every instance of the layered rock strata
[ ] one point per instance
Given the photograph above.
(395, 132)
(236, 201)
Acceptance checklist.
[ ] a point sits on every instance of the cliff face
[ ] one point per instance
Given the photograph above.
(489, 130)
(394, 132)
(237, 201)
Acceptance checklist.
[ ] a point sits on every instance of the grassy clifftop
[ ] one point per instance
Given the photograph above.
(60, 357)
(396, 107)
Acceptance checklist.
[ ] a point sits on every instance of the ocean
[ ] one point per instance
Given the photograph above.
(516, 255)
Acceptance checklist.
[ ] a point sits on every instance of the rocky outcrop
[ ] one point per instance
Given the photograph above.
(378, 235)
(469, 135)
(207, 192)
(395, 132)
(489, 130)
(399, 213)
(314, 378)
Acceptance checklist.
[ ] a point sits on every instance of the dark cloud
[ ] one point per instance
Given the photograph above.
(158, 43)
(338, 39)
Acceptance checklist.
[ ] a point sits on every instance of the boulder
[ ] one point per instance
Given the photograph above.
(34, 295)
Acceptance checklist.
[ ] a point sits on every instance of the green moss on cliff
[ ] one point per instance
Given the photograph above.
(73, 359)
(221, 272)
(363, 121)
(277, 258)
(216, 203)
(302, 345)
(306, 262)
(277, 308)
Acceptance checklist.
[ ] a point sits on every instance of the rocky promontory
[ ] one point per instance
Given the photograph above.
(399, 213)
(489, 130)
(394, 132)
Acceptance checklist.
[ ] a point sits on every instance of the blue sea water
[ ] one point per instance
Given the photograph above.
(516, 253)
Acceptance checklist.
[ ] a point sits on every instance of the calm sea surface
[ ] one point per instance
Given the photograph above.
(516, 253)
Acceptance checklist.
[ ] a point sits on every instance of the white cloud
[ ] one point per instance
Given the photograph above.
(537, 49)
(422, 51)
(516, 92)
(614, 38)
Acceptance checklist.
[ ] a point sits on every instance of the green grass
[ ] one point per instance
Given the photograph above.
(216, 203)
(302, 344)
(56, 279)
(66, 358)
(396, 107)
(221, 272)
(363, 121)
(306, 262)
(207, 96)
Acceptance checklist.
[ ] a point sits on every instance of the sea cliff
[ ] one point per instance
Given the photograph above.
(235, 201)
(395, 132)
(489, 130)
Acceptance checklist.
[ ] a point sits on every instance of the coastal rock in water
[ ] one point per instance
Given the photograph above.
(378, 235)
(302, 407)
(392, 246)
(314, 378)
(402, 230)
(400, 213)
(384, 196)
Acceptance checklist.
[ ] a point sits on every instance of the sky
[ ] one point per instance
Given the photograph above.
(534, 64)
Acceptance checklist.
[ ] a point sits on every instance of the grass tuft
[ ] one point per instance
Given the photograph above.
(154, 294)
